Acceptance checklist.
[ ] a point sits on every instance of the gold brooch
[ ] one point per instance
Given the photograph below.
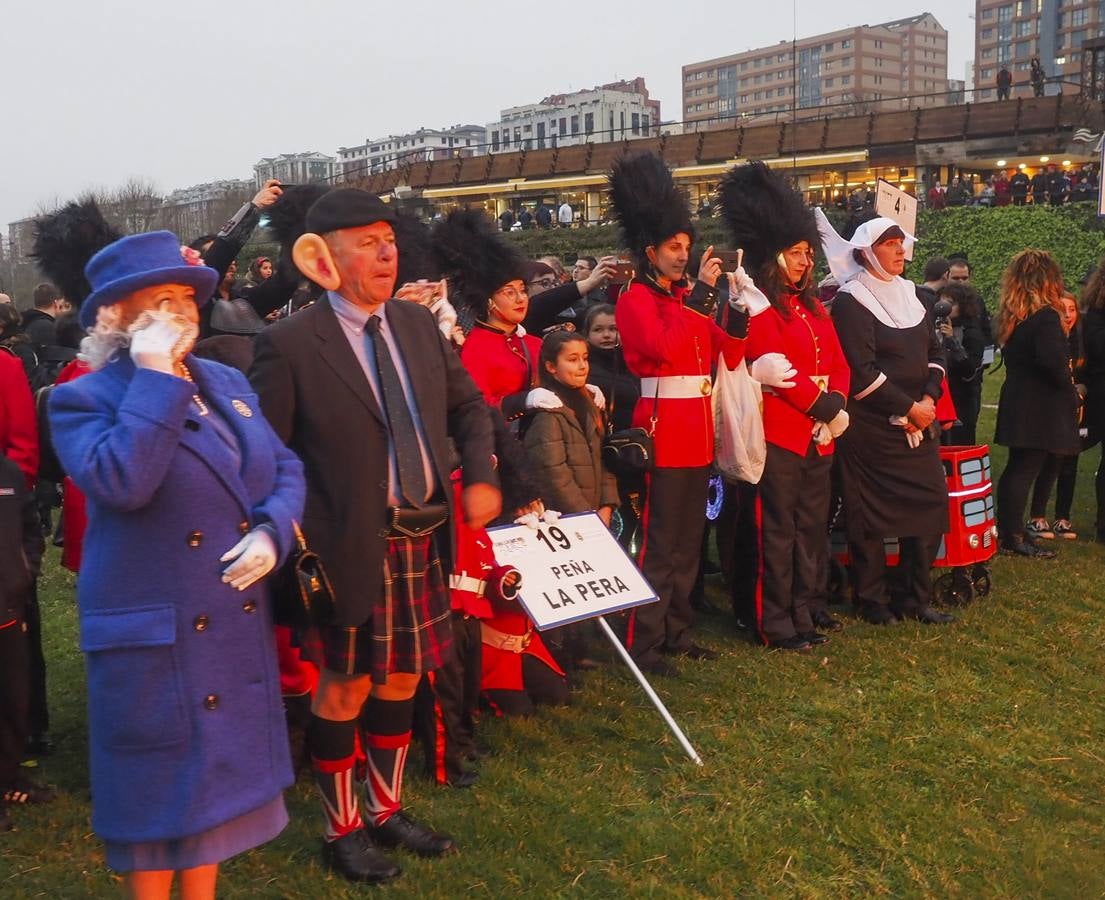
(241, 408)
(705, 388)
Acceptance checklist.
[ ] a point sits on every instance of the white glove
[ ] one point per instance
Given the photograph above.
(744, 295)
(773, 369)
(533, 519)
(254, 557)
(914, 438)
(542, 398)
(821, 434)
(596, 395)
(446, 316)
(839, 424)
(157, 340)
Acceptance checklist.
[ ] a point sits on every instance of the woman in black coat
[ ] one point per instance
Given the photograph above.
(964, 345)
(1038, 408)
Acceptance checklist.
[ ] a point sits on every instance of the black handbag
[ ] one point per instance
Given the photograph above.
(630, 452)
(302, 595)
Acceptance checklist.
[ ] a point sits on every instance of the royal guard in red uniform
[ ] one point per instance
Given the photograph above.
(670, 342)
(778, 234)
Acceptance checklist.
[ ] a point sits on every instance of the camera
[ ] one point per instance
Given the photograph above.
(941, 309)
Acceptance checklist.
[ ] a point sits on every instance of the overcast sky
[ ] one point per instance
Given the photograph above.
(187, 92)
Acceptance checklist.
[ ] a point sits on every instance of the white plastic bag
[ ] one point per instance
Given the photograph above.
(740, 450)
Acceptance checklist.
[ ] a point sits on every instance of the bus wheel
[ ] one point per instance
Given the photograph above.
(952, 589)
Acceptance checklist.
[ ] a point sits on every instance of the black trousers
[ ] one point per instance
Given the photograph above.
(38, 715)
(1021, 470)
(794, 504)
(968, 403)
(738, 538)
(543, 687)
(1061, 473)
(675, 516)
(445, 704)
(905, 589)
(14, 700)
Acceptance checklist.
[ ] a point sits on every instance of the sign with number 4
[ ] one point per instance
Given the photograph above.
(896, 204)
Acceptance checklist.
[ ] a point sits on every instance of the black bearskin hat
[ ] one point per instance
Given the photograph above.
(416, 258)
(764, 213)
(476, 259)
(65, 240)
(647, 204)
(286, 219)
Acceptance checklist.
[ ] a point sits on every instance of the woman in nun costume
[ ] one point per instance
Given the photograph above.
(891, 477)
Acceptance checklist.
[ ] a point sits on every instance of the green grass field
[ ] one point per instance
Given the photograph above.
(963, 761)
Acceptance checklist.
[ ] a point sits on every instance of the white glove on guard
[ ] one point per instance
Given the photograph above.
(596, 395)
(542, 398)
(773, 369)
(839, 424)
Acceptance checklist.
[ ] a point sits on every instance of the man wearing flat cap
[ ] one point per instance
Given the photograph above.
(367, 393)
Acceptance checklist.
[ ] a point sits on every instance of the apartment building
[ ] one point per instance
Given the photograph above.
(859, 65)
(1011, 32)
(610, 112)
(381, 154)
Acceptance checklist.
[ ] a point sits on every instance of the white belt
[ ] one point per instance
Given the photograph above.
(467, 583)
(676, 387)
(513, 643)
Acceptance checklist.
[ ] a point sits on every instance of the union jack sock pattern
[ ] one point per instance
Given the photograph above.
(332, 757)
(387, 725)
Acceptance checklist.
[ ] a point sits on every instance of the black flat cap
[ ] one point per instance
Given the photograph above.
(347, 208)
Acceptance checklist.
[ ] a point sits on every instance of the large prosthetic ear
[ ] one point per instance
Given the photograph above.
(312, 257)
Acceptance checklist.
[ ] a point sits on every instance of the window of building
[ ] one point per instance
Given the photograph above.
(878, 62)
(1023, 49)
(644, 123)
(1005, 13)
(744, 82)
(588, 123)
(563, 126)
(635, 123)
(1025, 27)
(878, 45)
(986, 93)
(829, 48)
(988, 13)
(759, 95)
(744, 66)
(698, 107)
(758, 79)
(780, 75)
(829, 82)
(698, 76)
(985, 74)
(1024, 7)
(845, 44)
(1079, 17)
(1004, 53)
(845, 81)
(988, 53)
(1077, 37)
(781, 58)
(878, 79)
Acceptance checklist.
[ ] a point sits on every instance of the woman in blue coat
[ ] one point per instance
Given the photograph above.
(190, 503)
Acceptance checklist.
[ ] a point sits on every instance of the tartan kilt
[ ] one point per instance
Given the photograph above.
(410, 630)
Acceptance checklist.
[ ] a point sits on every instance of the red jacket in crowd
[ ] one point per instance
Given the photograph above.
(503, 366)
(18, 427)
(663, 339)
(808, 339)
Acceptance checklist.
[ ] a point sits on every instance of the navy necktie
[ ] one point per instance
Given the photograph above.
(404, 438)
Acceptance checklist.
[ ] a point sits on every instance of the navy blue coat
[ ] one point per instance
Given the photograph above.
(186, 730)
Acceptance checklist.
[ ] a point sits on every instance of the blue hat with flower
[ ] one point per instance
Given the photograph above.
(143, 260)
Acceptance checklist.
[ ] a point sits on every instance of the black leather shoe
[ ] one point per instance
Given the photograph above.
(400, 831)
(658, 666)
(355, 857)
(1023, 547)
(813, 638)
(877, 615)
(798, 642)
(465, 779)
(826, 622)
(930, 616)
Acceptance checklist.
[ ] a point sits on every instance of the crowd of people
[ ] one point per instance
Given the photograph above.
(383, 391)
(1050, 186)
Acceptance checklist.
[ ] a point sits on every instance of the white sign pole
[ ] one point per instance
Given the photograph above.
(649, 692)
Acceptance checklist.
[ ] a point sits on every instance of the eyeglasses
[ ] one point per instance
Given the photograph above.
(547, 282)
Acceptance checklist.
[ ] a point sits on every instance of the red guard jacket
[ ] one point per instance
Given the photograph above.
(504, 366)
(809, 341)
(18, 426)
(662, 336)
(476, 578)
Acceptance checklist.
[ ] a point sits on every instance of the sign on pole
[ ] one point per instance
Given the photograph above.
(571, 570)
(575, 569)
(896, 204)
